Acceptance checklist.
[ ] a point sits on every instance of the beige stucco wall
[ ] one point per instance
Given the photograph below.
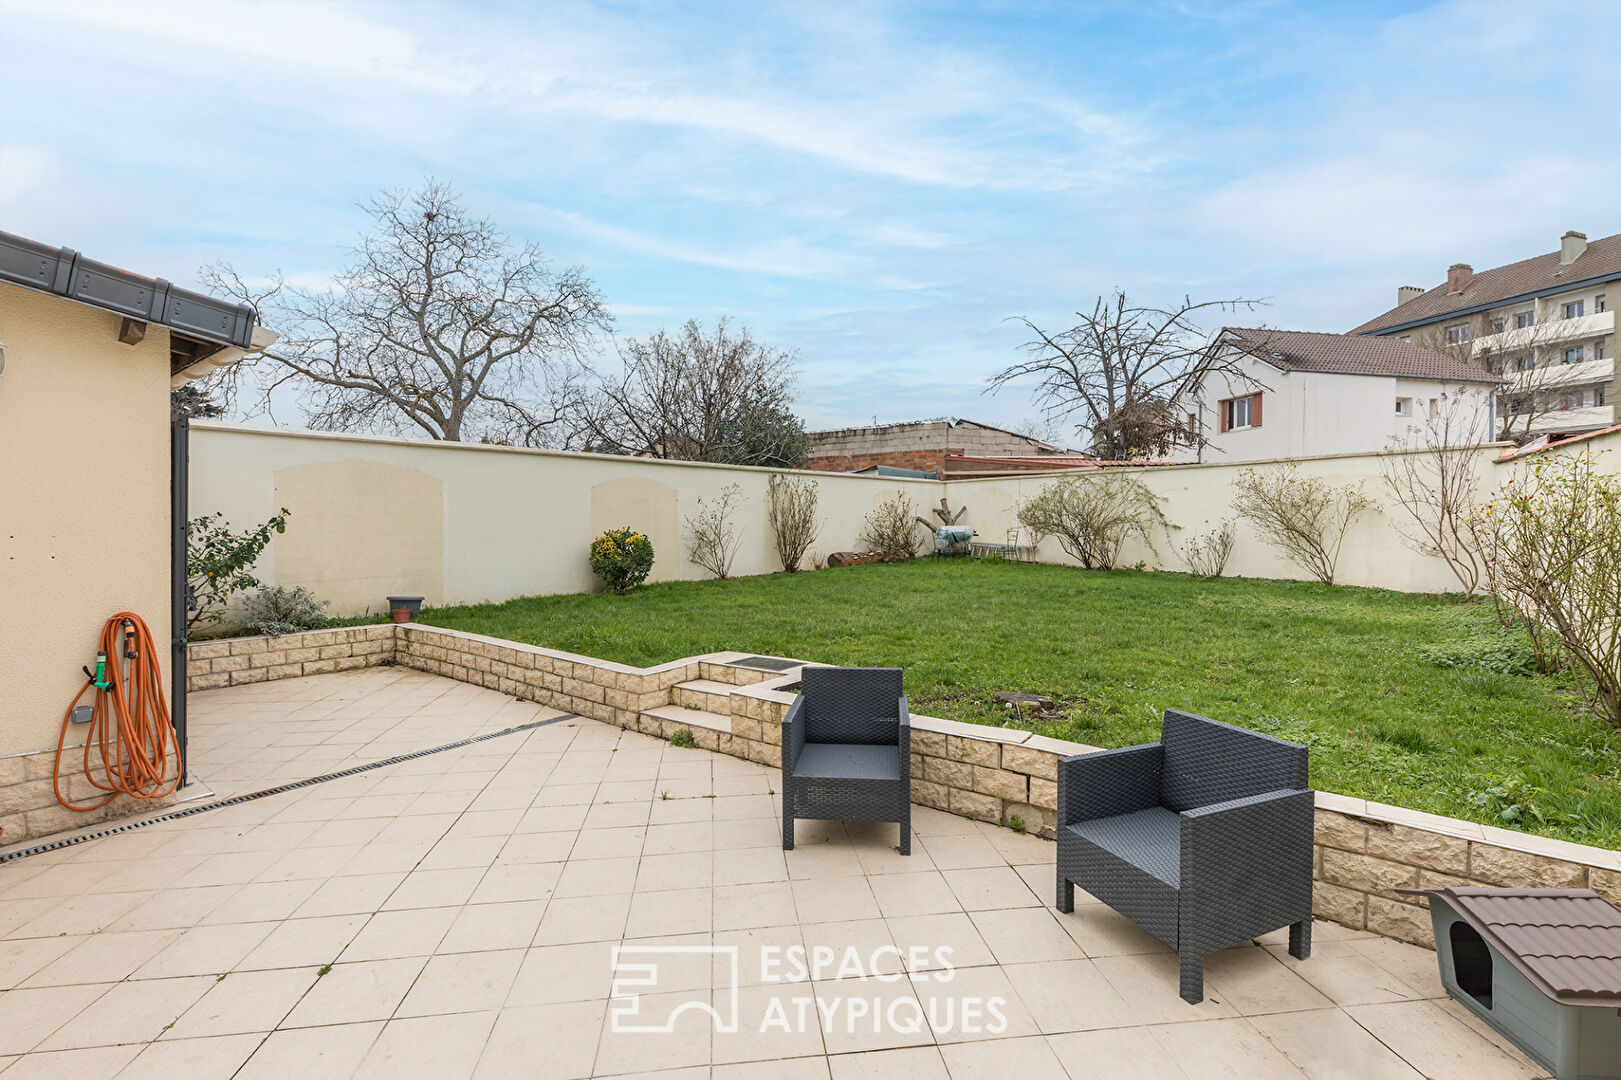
(84, 500)
(504, 522)
(466, 523)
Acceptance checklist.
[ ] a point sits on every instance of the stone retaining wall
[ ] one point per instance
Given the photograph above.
(1364, 852)
(28, 803)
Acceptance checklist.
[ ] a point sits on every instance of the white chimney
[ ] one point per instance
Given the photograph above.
(1571, 246)
(1405, 293)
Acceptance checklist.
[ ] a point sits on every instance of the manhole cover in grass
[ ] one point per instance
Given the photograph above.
(766, 663)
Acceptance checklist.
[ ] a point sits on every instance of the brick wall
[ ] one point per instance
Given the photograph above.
(923, 460)
(1364, 851)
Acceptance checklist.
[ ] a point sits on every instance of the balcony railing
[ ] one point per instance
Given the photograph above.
(1559, 376)
(1587, 418)
(1552, 332)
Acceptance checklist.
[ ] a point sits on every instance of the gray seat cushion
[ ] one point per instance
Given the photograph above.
(1149, 839)
(848, 761)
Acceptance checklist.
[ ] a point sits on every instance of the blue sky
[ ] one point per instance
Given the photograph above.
(877, 186)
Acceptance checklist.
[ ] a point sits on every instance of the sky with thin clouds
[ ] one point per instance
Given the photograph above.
(877, 186)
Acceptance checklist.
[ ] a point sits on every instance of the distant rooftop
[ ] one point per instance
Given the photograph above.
(1349, 354)
(1528, 277)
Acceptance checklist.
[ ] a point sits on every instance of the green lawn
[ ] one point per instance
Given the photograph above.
(1362, 676)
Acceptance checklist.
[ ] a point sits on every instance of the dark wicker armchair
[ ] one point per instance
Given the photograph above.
(1204, 839)
(847, 750)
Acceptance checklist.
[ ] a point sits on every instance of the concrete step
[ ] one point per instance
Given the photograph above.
(704, 694)
(701, 718)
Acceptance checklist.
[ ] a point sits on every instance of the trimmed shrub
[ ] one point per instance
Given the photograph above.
(622, 558)
(278, 610)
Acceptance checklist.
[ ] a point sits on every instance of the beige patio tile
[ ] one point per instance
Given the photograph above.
(107, 957)
(1438, 1044)
(244, 1001)
(773, 1021)
(869, 1014)
(1326, 1044)
(508, 882)
(23, 957)
(1028, 1058)
(1255, 981)
(1069, 995)
(543, 1042)
(1346, 976)
(812, 861)
(658, 873)
(801, 1068)
(676, 911)
(596, 877)
(749, 866)
(558, 973)
(739, 907)
(822, 900)
(949, 940)
(357, 894)
(973, 1005)
(311, 1052)
(30, 1016)
(1411, 965)
(1223, 1050)
(216, 1058)
(1150, 984)
(481, 927)
(392, 934)
(746, 833)
(900, 895)
(433, 888)
(427, 1048)
(130, 1012)
(538, 847)
(1122, 1053)
(583, 918)
(93, 1062)
(669, 810)
(205, 950)
(991, 887)
(910, 1063)
(462, 982)
(1025, 935)
(353, 993)
(962, 851)
(1102, 931)
(849, 950)
(763, 954)
(682, 1041)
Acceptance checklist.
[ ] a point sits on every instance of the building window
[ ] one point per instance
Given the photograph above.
(1573, 310)
(1519, 365)
(1457, 335)
(1573, 356)
(1524, 319)
(1241, 412)
(1598, 304)
(1598, 396)
(1498, 325)
(1435, 407)
(1599, 351)
(1404, 406)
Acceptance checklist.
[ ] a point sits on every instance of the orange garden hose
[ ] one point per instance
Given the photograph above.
(130, 740)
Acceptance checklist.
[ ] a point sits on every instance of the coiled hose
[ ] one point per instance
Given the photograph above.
(131, 742)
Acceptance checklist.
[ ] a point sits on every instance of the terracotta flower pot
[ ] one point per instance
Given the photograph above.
(405, 608)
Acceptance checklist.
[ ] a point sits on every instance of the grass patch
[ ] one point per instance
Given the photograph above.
(1413, 700)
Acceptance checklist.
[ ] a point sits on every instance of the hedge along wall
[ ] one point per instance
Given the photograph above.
(465, 523)
(1364, 851)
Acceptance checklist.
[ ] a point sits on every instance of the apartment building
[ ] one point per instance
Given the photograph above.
(1544, 324)
(1290, 393)
(923, 445)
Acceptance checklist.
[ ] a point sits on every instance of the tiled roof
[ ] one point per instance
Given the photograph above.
(1349, 354)
(1539, 274)
(1566, 941)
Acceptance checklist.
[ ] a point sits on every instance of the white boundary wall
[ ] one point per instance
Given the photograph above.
(467, 523)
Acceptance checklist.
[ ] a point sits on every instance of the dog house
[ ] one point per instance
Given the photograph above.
(1542, 966)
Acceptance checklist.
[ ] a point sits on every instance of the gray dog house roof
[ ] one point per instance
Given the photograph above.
(1566, 941)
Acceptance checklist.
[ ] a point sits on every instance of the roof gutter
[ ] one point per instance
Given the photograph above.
(66, 273)
(1476, 309)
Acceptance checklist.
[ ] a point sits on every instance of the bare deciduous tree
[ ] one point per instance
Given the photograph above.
(1092, 516)
(700, 396)
(1436, 483)
(439, 324)
(791, 513)
(712, 536)
(1121, 373)
(1304, 516)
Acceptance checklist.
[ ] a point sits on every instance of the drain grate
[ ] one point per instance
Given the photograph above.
(217, 804)
(767, 663)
